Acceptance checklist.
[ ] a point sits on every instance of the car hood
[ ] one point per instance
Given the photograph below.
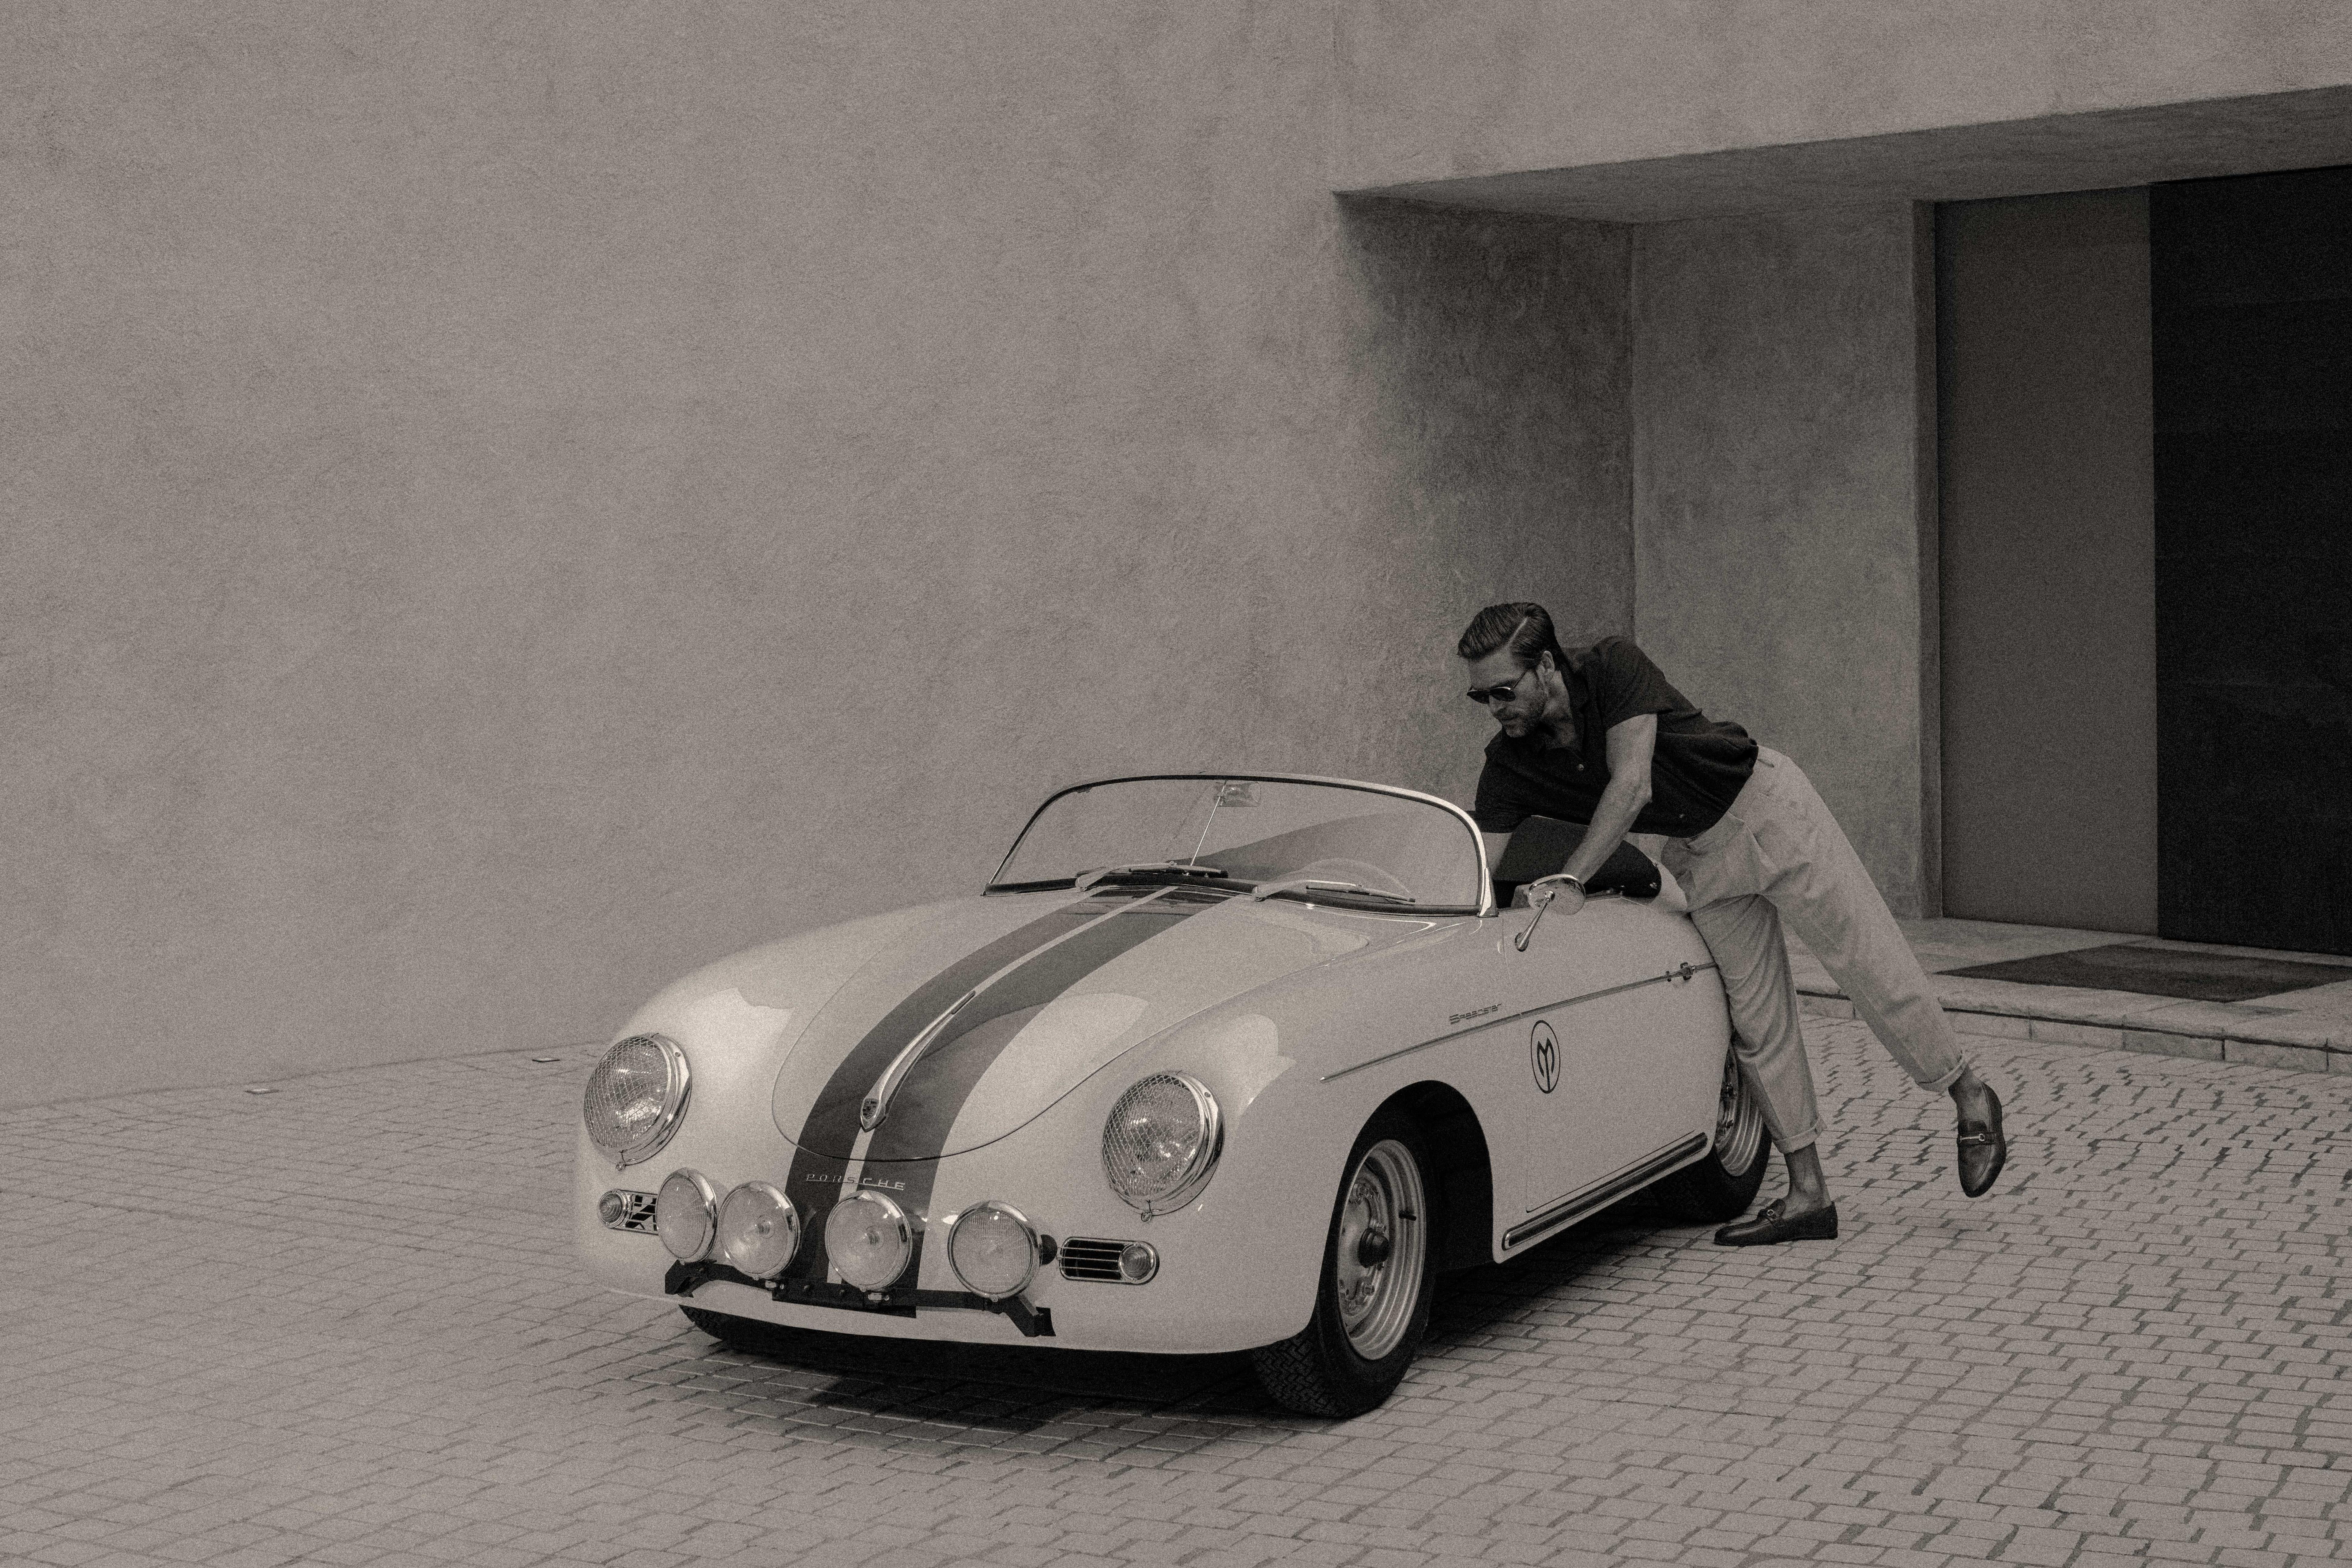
(1049, 992)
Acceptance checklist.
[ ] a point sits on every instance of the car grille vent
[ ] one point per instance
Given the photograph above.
(1084, 1258)
(636, 1213)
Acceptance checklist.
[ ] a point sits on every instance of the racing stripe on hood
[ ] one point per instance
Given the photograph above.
(927, 1104)
(813, 1181)
(906, 1148)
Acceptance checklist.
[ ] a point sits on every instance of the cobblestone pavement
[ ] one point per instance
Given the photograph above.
(335, 1323)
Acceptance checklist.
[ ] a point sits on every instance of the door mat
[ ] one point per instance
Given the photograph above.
(2162, 972)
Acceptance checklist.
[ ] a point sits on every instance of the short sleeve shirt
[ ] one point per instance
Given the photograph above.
(1695, 770)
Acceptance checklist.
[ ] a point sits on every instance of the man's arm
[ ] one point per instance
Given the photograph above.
(1631, 744)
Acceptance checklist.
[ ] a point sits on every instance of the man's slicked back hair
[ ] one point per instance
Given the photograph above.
(1522, 626)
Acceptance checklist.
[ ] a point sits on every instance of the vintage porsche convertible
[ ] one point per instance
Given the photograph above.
(1214, 1063)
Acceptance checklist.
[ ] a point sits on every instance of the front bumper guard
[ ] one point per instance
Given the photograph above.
(898, 1302)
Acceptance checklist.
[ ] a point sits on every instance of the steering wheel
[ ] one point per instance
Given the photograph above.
(1363, 873)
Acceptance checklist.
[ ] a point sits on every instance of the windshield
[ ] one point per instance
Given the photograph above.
(1336, 843)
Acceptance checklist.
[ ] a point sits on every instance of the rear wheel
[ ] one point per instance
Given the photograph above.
(1371, 1304)
(1723, 1182)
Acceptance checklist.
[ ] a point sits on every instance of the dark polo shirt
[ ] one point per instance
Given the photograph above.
(1696, 772)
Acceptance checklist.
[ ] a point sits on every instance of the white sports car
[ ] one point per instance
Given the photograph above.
(1215, 1063)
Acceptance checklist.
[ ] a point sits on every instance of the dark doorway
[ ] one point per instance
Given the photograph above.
(2047, 586)
(2250, 283)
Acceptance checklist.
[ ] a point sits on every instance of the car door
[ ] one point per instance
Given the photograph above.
(1603, 1105)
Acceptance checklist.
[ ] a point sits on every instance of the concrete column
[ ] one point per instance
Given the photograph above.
(1783, 502)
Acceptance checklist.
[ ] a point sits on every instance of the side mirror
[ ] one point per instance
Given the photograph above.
(1542, 894)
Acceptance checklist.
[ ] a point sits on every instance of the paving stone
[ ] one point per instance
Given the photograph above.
(309, 1340)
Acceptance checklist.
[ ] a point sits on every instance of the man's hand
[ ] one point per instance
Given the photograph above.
(1560, 888)
(1562, 891)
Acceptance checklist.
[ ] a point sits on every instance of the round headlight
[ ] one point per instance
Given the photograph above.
(869, 1240)
(634, 1099)
(686, 1214)
(1161, 1141)
(759, 1229)
(992, 1250)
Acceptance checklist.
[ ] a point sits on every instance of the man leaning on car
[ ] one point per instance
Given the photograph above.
(1600, 737)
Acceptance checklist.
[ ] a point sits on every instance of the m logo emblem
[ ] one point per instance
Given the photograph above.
(1543, 1054)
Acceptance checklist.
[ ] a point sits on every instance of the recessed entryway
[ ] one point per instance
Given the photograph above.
(2146, 453)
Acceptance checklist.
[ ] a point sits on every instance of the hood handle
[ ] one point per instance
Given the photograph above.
(876, 1105)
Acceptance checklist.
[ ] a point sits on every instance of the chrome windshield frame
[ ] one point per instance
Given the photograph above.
(1469, 825)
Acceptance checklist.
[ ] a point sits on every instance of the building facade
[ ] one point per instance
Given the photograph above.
(510, 503)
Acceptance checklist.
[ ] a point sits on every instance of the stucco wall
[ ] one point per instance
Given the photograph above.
(1783, 432)
(1501, 357)
(508, 503)
(1430, 93)
(505, 503)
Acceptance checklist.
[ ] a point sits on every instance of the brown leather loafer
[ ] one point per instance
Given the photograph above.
(1768, 1227)
(1983, 1151)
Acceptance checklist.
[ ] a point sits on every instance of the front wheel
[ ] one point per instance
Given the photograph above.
(1371, 1305)
(1723, 1181)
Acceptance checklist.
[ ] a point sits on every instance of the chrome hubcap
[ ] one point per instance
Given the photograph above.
(1738, 1120)
(1383, 1249)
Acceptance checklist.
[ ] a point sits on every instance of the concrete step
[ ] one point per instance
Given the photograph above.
(2309, 1030)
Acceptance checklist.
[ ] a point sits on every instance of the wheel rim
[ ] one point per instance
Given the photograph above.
(1738, 1122)
(1381, 1249)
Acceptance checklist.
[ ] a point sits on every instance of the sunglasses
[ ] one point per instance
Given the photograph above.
(1482, 695)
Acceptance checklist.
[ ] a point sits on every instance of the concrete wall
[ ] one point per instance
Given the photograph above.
(1783, 432)
(2048, 562)
(1431, 93)
(1501, 353)
(505, 504)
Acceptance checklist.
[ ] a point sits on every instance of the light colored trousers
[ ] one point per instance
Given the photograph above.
(1778, 854)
